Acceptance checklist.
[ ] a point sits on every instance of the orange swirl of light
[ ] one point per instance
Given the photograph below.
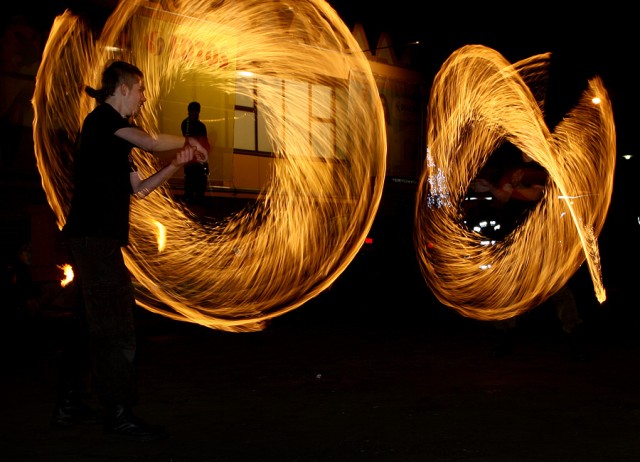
(478, 101)
(312, 218)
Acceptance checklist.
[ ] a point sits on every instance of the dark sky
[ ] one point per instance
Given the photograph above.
(583, 42)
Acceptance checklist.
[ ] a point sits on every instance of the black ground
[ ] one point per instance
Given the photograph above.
(367, 371)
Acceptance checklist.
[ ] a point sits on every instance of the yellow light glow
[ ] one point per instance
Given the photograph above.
(478, 101)
(68, 274)
(161, 233)
(312, 218)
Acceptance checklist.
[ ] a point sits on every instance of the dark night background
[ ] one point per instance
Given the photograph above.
(374, 369)
(583, 43)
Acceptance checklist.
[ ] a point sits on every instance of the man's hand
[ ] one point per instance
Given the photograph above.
(200, 153)
(184, 156)
(142, 188)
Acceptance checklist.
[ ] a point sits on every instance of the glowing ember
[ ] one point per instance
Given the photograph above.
(327, 135)
(68, 274)
(478, 101)
(161, 233)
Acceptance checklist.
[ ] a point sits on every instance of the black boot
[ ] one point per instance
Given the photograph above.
(71, 410)
(121, 422)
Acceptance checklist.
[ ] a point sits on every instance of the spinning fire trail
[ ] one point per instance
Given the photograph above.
(478, 102)
(326, 127)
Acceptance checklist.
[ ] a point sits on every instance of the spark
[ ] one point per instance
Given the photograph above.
(311, 219)
(161, 232)
(478, 101)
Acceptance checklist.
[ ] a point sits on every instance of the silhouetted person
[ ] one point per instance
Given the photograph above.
(520, 186)
(196, 173)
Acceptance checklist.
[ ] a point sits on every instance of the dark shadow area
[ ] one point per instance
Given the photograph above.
(359, 373)
(372, 369)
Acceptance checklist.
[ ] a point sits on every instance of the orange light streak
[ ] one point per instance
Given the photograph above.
(161, 235)
(312, 218)
(478, 101)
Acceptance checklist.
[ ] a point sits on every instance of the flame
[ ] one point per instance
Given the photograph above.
(312, 218)
(161, 232)
(478, 101)
(68, 274)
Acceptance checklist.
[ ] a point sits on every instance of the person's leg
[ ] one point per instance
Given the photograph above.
(109, 300)
(195, 182)
(566, 308)
(203, 178)
(73, 365)
(191, 182)
(188, 187)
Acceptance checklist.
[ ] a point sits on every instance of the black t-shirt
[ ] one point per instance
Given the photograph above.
(193, 127)
(102, 187)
